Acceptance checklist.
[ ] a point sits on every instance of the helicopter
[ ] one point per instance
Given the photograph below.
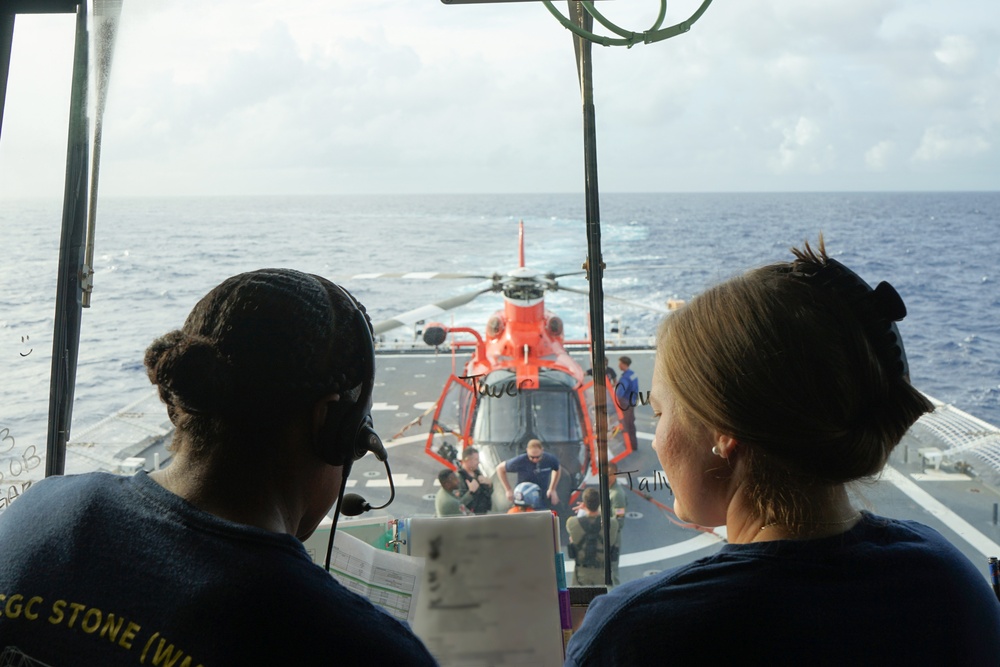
(519, 382)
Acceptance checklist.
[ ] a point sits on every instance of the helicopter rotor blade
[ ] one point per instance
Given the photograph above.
(616, 269)
(418, 275)
(426, 312)
(608, 297)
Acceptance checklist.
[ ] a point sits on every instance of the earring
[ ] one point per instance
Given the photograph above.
(715, 450)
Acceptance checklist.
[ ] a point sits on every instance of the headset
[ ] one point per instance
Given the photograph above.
(348, 433)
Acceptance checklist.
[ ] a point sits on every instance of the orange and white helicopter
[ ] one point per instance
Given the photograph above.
(519, 383)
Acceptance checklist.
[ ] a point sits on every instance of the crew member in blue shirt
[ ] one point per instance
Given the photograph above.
(627, 396)
(535, 465)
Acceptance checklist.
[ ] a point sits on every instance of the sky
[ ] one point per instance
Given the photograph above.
(244, 97)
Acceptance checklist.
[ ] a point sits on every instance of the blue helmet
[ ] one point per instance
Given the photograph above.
(527, 494)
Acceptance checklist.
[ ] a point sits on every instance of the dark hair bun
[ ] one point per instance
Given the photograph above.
(258, 347)
(188, 372)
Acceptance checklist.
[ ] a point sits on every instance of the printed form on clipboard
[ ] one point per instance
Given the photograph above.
(489, 589)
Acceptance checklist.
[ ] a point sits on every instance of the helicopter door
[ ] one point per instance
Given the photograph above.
(452, 418)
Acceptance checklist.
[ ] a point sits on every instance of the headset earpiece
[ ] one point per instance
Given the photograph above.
(348, 434)
(328, 438)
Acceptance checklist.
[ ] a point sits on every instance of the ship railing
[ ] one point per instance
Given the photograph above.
(961, 434)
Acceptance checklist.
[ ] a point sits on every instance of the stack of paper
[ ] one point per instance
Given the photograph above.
(489, 589)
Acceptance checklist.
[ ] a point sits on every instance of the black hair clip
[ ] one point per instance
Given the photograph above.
(877, 309)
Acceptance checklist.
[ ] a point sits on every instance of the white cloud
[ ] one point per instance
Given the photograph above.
(956, 51)
(415, 96)
(802, 147)
(877, 157)
(944, 144)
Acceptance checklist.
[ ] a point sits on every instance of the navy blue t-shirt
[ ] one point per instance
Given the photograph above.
(101, 569)
(539, 472)
(886, 592)
(627, 389)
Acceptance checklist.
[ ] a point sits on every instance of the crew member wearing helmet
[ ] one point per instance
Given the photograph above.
(527, 498)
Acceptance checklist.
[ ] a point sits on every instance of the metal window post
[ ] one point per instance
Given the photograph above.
(69, 294)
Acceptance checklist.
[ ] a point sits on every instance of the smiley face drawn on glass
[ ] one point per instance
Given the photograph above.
(24, 340)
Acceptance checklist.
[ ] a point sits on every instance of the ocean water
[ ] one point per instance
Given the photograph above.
(156, 257)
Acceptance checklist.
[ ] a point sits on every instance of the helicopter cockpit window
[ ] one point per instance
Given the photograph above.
(499, 420)
(550, 413)
(556, 416)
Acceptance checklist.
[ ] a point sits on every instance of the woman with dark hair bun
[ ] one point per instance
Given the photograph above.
(773, 391)
(201, 563)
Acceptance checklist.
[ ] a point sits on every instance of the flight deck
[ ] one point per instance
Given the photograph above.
(955, 494)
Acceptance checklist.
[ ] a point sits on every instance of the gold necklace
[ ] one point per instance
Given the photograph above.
(857, 515)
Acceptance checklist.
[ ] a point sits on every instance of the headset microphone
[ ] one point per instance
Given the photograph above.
(355, 434)
(353, 504)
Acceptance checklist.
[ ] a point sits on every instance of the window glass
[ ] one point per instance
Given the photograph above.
(247, 139)
(32, 156)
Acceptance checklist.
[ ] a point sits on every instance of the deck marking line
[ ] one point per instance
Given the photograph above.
(406, 440)
(962, 528)
(702, 541)
(400, 479)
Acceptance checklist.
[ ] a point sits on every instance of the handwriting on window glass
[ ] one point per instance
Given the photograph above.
(15, 462)
(655, 483)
